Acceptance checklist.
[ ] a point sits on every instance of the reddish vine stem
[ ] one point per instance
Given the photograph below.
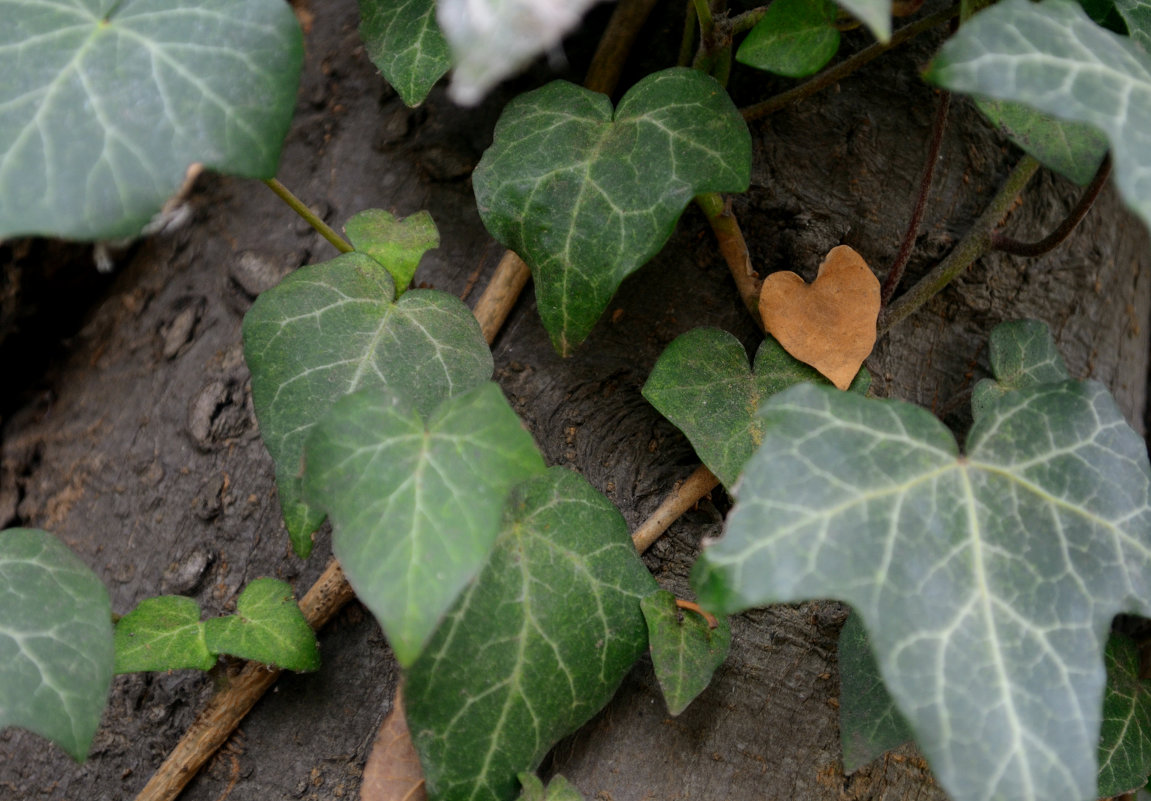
(692, 606)
(895, 274)
(1063, 230)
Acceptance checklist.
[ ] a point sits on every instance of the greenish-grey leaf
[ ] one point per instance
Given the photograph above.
(1054, 58)
(702, 383)
(416, 503)
(1125, 739)
(587, 195)
(105, 104)
(1072, 149)
(875, 14)
(405, 42)
(987, 582)
(163, 633)
(795, 38)
(397, 244)
(869, 723)
(1022, 354)
(332, 328)
(685, 650)
(55, 640)
(1137, 15)
(535, 646)
(268, 627)
(558, 789)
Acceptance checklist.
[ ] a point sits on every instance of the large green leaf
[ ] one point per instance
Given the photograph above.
(1052, 57)
(869, 723)
(1125, 739)
(332, 328)
(268, 627)
(55, 640)
(534, 647)
(416, 501)
(105, 104)
(405, 42)
(685, 649)
(1073, 149)
(986, 581)
(586, 195)
(795, 38)
(163, 633)
(702, 383)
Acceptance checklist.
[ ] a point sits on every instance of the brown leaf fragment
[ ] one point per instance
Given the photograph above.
(393, 771)
(829, 323)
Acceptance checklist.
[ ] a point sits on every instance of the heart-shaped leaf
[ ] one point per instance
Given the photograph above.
(558, 789)
(163, 633)
(986, 581)
(332, 328)
(105, 105)
(404, 40)
(1053, 57)
(1125, 739)
(587, 196)
(55, 641)
(702, 383)
(1024, 355)
(795, 38)
(829, 323)
(268, 627)
(535, 646)
(869, 723)
(1073, 149)
(685, 649)
(397, 244)
(416, 502)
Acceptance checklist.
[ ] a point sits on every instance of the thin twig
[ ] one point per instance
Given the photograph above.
(692, 606)
(848, 66)
(895, 274)
(733, 247)
(606, 65)
(1006, 244)
(694, 488)
(309, 216)
(495, 304)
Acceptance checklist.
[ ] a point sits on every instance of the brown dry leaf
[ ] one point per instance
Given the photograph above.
(830, 323)
(393, 771)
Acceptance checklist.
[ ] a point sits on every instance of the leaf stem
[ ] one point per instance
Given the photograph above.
(692, 606)
(706, 20)
(687, 43)
(975, 245)
(847, 66)
(742, 23)
(297, 206)
(693, 489)
(733, 247)
(895, 274)
(1006, 244)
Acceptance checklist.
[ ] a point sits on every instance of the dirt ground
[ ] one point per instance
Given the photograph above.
(127, 426)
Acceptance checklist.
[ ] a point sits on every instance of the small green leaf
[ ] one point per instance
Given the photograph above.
(1125, 739)
(55, 641)
(535, 646)
(685, 651)
(1137, 15)
(404, 41)
(1052, 57)
(875, 14)
(702, 384)
(586, 196)
(163, 633)
(558, 789)
(416, 503)
(104, 105)
(795, 38)
(268, 627)
(869, 723)
(330, 329)
(987, 582)
(397, 244)
(1073, 149)
(1022, 355)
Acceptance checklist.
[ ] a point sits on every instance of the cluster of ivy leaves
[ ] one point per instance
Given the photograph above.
(984, 582)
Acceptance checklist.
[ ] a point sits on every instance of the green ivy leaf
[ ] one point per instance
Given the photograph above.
(55, 641)
(1024, 355)
(268, 627)
(105, 105)
(558, 789)
(587, 196)
(875, 14)
(163, 633)
(535, 646)
(397, 244)
(1125, 739)
(1073, 149)
(332, 328)
(404, 41)
(1137, 15)
(795, 38)
(416, 501)
(869, 723)
(1052, 57)
(685, 651)
(702, 383)
(986, 581)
